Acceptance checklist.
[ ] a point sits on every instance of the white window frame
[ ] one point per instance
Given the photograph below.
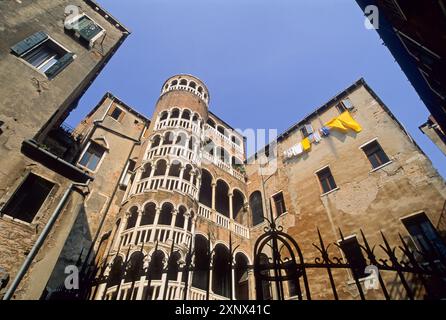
(99, 163)
(321, 190)
(21, 57)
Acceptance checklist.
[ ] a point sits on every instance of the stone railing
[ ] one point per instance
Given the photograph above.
(152, 233)
(223, 165)
(179, 123)
(221, 137)
(174, 150)
(223, 221)
(167, 183)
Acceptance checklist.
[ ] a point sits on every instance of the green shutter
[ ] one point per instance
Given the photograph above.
(59, 65)
(88, 29)
(28, 43)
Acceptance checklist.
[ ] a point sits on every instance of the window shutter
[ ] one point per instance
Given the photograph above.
(29, 43)
(60, 65)
(88, 29)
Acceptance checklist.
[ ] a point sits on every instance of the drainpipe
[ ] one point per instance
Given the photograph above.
(42, 237)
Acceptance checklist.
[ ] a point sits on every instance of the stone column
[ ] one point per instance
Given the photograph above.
(172, 223)
(121, 230)
(214, 187)
(155, 223)
(166, 174)
(138, 222)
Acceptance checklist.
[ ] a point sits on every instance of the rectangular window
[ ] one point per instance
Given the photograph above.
(306, 130)
(375, 154)
(326, 180)
(116, 113)
(344, 105)
(424, 235)
(279, 202)
(352, 250)
(85, 29)
(43, 53)
(28, 198)
(92, 156)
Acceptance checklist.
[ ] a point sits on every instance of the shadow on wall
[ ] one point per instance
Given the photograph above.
(73, 254)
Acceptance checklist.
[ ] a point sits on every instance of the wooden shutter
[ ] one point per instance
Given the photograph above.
(60, 65)
(29, 43)
(88, 29)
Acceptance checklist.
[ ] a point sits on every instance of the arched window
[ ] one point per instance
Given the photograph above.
(222, 198)
(165, 217)
(133, 216)
(238, 201)
(179, 222)
(175, 114)
(175, 168)
(256, 204)
(164, 115)
(211, 123)
(148, 216)
(193, 85)
(183, 82)
(135, 267)
(187, 172)
(156, 265)
(147, 171)
(168, 138)
(181, 139)
(156, 141)
(173, 266)
(205, 196)
(200, 89)
(241, 277)
(202, 262)
(221, 274)
(186, 115)
(174, 83)
(161, 167)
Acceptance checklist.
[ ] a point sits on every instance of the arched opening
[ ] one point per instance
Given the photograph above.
(175, 168)
(223, 131)
(116, 272)
(135, 267)
(187, 172)
(147, 171)
(164, 115)
(256, 205)
(168, 138)
(156, 265)
(223, 155)
(161, 167)
(241, 277)
(206, 188)
(202, 262)
(200, 89)
(173, 266)
(236, 162)
(196, 118)
(192, 142)
(148, 216)
(183, 82)
(236, 140)
(221, 274)
(209, 146)
(193, 85)
(181, 139)
(133, 216)
(238, 201)
(166, 214)
(222, 198)
(211, 123)
(174, 83)
(175, 114)
(156, 141)
(179, 222)
(186, 115)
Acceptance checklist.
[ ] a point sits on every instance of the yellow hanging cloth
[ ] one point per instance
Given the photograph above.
(348, 121)
(306, 144)
(335, 123)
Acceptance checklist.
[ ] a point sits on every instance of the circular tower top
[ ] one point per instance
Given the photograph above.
(187, 82)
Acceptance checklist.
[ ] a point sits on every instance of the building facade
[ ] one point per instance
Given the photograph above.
(195, 207)
(50, 53)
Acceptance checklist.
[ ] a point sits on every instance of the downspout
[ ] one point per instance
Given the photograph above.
(40, 240)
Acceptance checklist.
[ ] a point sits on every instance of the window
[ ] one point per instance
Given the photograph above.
(306, 130)
(352, 250)
(424, 235)
(128, 173)
(116, 113)
(44, 54)
(344, 105)
(279, 202)
(375, 154)
(85, 29)
(256, 204)
(326, 180)
(28, 198)
(92, 156)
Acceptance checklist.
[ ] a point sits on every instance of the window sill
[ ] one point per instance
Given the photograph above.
(331, 191)
(18, 221)
(381, 166)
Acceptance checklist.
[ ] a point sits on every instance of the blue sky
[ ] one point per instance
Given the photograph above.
(266, 63)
